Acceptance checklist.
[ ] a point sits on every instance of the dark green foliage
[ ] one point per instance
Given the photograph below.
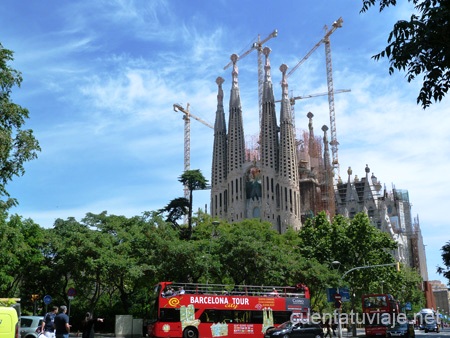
(17, 145)
(446, 260)
(114, 261)
(175, 210)
(420, 46)
(193, 180)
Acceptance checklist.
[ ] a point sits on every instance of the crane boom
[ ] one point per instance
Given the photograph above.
(258, 45)
(255, 45)
(337, 24)
(308, 96)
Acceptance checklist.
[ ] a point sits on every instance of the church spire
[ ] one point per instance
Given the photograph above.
(288, 176)
(269, 128)
(235, 151)
(219, 160)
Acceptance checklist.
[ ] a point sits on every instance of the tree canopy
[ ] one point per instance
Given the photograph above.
(114, 261)
(420, 46)
(446, 260)
(17, 145)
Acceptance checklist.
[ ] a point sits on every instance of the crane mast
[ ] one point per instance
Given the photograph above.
(334, 143)
(187, 137)
(326, 40)
(258, 45)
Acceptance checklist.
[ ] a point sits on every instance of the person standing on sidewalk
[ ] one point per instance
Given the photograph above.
(62, 326)
(48, 324)
(88, 325)
(327, 329)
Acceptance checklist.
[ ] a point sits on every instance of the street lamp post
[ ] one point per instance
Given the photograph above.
(338, 309)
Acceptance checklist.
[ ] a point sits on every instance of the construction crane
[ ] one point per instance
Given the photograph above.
(334, 143)
(337, 24)
(258, 45)
(292, 99)
(326, 41)
(187, 137)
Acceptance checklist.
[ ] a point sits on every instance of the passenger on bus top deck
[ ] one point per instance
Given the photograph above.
(181, 291)
(274, 293)
(169, 292)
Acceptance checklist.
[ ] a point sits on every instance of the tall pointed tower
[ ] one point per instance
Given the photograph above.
(219, 162)
(288, 176)
(267, 189)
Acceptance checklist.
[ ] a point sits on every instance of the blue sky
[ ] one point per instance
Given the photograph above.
(101, 78)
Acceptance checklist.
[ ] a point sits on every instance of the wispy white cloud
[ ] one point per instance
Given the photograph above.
(100, 79)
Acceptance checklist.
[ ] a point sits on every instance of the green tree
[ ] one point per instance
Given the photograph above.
(420, 46)
(446, 260)
(176, 209)
(17, 145)
(20, 243)
(247, 252)
(353, 243)
(193, 180)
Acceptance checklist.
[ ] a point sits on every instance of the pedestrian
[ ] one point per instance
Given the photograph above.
(334, 327)
(327, 329)
(88, 325)
(62, 326)
(48, 324)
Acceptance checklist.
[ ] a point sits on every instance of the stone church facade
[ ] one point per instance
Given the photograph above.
(265, 187)
(291, 178)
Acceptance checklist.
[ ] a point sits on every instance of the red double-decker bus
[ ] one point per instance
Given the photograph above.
(217, 310)
(379, 311)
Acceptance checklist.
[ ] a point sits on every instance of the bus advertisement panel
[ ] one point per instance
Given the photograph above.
(379, 312)
(217, 310)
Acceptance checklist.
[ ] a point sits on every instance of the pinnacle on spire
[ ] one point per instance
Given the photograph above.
(310, 124)
(284, 84)
(266, 52)
(219, 82)
(326, 148)
(325, 137)
(235, 72)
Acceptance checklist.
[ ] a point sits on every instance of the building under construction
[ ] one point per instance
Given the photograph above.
(267, 188)
(284, 178)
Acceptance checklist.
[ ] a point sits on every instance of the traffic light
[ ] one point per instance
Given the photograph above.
(34, 297)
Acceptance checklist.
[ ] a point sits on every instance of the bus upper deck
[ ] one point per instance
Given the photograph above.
(170, 289)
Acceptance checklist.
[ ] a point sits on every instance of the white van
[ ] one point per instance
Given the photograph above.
(9, 322)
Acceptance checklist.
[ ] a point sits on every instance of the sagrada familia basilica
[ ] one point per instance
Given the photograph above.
(290, 179)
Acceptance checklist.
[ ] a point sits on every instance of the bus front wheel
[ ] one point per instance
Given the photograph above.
(190, 332)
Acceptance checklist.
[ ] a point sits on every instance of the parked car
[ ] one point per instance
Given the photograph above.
(294, 330)
(405, 330)
(30, 326)
(433, 326)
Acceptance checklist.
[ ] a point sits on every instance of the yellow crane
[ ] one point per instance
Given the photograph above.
(187, 137)
(258, 45)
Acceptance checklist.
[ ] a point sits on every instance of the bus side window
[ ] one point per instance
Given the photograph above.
(170, 315)
(256, 317)
(209, 316)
